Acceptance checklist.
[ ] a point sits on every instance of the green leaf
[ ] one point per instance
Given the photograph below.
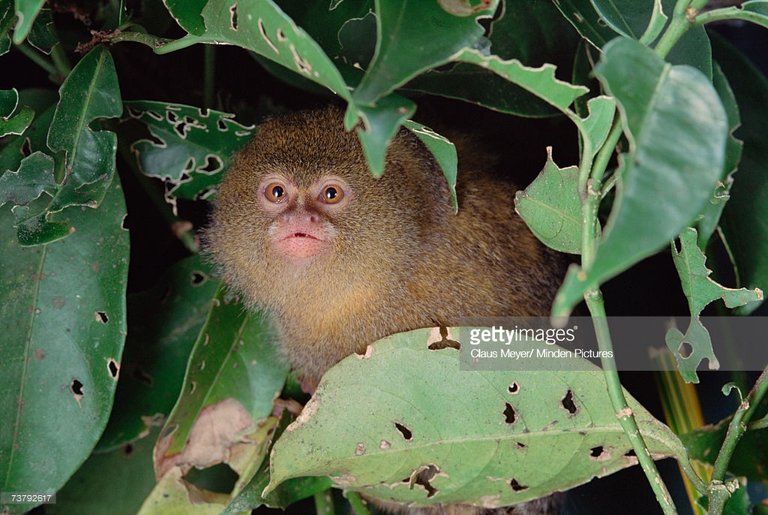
(90, 92)
(345, 30)
(551, 207)
(11, 124)
(516, 437)
(233, 360)
(260, 26)
(87, 157)
(110, 482)
(596, 126)
(33, 178)
(7, 17)
(408, 24)
(187, 14)
(585, 19)
(190, 147)
(700, 291)
(748, 459)
(286, 494)
(26, 12)
(663, 182)
(43, 34)
(62, 309)
(164, 322)
(444, 152)
(538, 81)
(628, 18)
(745, 218)
(733, 148)
(32, 140)
(532, 32)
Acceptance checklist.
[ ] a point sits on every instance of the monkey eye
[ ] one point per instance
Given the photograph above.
(332, 194)
(275, 192)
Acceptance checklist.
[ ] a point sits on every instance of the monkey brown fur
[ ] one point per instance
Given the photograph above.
(396, 256)
(399, 258)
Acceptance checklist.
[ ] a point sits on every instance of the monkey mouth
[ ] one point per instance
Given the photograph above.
(301, 235)
(300, 245)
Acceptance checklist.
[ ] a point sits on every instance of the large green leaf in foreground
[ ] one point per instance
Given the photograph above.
(63, 322)
(404, 423)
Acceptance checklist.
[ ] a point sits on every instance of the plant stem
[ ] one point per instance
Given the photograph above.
(592, 194)
(38, 59)
(738, 425)
(324, 503)
(623, 412)
(151, 41)
(728, 13)
(209, 76)
(357, 503)
(178, 44)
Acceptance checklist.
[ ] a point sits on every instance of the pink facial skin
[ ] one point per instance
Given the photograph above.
(301, 229)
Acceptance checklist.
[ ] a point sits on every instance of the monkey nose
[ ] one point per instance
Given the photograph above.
(300, 217)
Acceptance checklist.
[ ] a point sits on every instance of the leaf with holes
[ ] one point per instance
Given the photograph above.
(664, 183)
(165, 322)
(696, 345)
(521, 434)
(190, 147)
(551, 207)
(85, 158)
(260, 26)
(532, 32)
(233, 374)
(438, 29)
(62, 309)
(540, 81)
(33, 139)
(10, 123)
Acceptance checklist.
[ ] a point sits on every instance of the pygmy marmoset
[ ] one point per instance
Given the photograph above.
(341, 259)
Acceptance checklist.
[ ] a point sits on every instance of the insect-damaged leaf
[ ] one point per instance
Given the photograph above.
(164, 322)
(434, 28)
(86, 158)
(551, 207)
(62, 310)
(695, 345)
(438, 434)
(664, 182)
(191, 147)
(234, 370)
(11, 123)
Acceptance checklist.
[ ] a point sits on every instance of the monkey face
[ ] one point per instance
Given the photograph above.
(301, 226)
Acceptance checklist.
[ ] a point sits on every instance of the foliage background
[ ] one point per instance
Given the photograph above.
(245, 87)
